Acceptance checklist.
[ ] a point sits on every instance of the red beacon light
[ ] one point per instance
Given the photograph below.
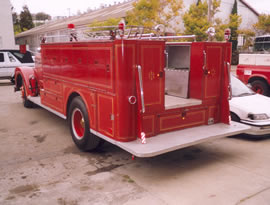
(73, 35)
(71, 26)
(227, 34)
(121, 27)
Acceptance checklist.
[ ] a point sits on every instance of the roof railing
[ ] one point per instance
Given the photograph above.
(112, 33)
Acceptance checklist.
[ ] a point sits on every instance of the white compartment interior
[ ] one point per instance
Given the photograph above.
(177, 71)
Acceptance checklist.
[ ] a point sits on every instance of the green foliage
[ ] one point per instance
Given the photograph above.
(108, 22)
(26, 21)
(220, 28)
(248, 37)
(235, 21)
(215, 7)
(149, 13)
(17, 29)
(195, 20)
(234, 9)
(41, 16)
(263, 25)
(16, 23)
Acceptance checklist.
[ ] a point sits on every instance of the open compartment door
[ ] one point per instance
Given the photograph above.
(149, 84)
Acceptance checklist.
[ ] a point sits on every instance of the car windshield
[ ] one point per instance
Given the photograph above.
(239, 89)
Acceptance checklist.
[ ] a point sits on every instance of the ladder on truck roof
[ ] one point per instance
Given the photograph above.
(113, 32)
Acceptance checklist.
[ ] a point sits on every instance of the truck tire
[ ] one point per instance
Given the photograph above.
(26, 103)
(260, 87)
(79, 126)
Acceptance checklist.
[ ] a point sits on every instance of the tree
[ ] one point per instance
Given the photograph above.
(108, 22)
(220, 27)
(234, 9)
(196, 21)
(16, 23)
(149, 13)
(248, 38)
(234, 23)
(263, 25)
(26, 21)
(41, 16)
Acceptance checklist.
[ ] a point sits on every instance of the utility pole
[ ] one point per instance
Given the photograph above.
(210, 11)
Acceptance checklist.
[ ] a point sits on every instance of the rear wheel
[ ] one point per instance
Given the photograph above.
(26, 103)
(260, 87)
(79, 126)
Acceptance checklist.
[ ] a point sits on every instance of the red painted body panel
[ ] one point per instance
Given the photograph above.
(257, 71)
(105, 75)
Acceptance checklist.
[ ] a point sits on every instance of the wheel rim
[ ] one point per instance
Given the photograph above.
(23, 93)
(258, 89)
(78, 125)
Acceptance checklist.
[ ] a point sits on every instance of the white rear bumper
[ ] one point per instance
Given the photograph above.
(178, 139)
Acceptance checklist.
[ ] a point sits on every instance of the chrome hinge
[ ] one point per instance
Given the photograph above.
(112, 116)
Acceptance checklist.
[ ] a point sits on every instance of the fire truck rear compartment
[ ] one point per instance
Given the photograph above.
(177, 77)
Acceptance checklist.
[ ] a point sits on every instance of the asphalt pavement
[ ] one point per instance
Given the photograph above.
(39, 164)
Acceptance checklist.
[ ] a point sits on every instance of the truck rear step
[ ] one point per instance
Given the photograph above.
(171, 141)
(37, 101)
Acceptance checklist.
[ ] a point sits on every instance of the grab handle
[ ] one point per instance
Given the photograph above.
(141, 87)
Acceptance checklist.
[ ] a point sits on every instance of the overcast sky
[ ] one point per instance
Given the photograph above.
(66, 7)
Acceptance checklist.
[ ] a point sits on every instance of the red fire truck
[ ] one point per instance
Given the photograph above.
(138, 91)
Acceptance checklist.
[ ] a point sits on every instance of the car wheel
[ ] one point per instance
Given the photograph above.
(26, 103)
(260, 87)
(79, 126)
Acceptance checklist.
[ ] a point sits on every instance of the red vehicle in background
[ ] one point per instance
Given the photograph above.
(137, 91)
(254, 68)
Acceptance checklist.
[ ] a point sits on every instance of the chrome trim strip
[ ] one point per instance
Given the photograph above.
(230, 82)
(103, 137)
(36, 100)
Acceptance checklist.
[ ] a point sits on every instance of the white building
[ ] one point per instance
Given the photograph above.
(7, 40)
(59, 27)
